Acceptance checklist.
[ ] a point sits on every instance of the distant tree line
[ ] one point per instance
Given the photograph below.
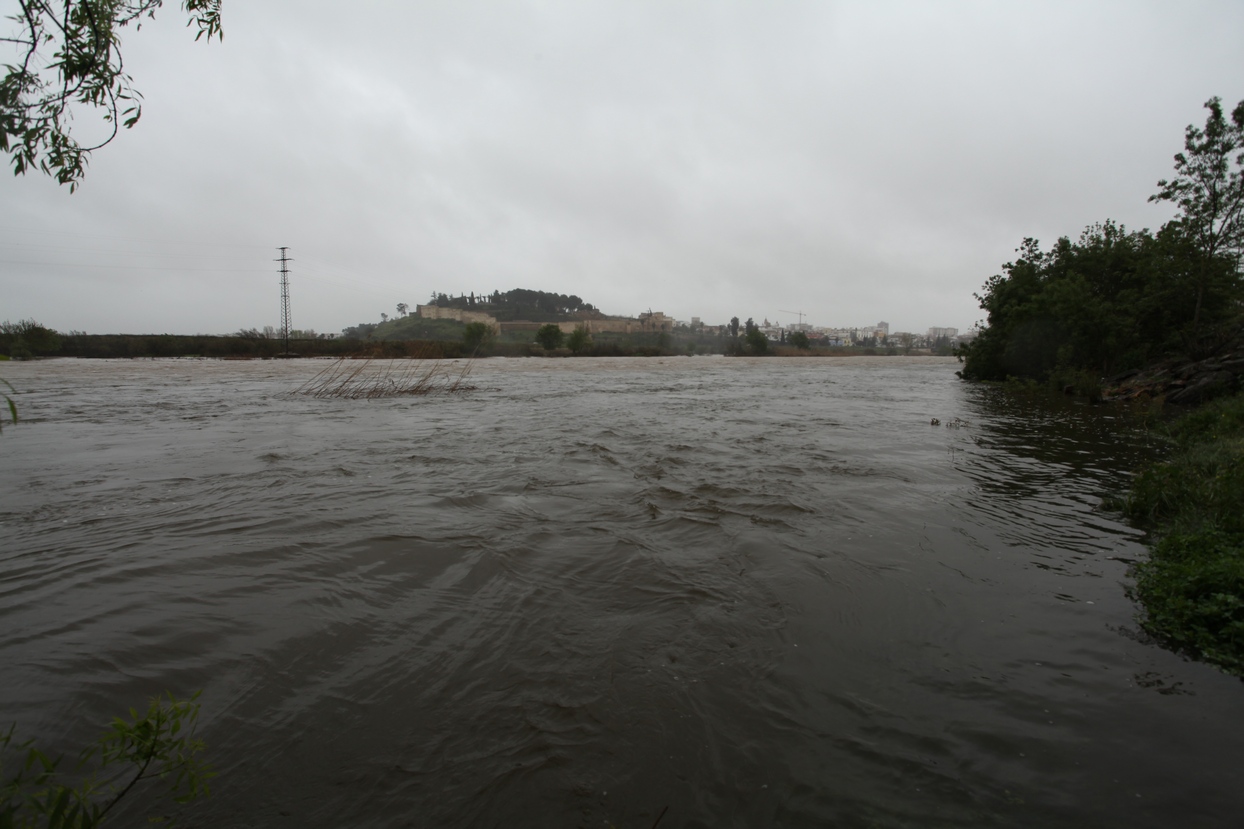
(520, 304)
(27, 339)
(1116, 299)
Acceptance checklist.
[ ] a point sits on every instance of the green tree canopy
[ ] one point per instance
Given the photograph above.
(579, 341)
(476, 337)
(1209, 189)
(550, 336)
(1114, 299)
(757, 342)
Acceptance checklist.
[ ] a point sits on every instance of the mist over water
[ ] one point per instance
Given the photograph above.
(751, 592)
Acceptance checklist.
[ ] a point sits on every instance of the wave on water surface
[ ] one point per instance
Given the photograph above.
(592, 592)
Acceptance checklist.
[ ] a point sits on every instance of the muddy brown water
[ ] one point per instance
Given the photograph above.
(587, 592)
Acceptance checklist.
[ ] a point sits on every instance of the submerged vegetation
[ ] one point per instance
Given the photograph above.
(159, 745)
(1192, 585)
(368, 379)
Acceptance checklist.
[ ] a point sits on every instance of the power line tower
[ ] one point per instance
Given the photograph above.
(284, 260)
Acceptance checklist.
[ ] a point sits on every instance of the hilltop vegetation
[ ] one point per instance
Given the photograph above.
(522, 304)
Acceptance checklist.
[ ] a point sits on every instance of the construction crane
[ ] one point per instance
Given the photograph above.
(799, 313)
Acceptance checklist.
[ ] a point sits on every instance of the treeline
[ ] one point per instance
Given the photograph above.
(1116, 299)
(520, 304)
(27, 339)
(49, 343)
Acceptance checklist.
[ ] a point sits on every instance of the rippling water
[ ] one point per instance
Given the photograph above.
(747, 593)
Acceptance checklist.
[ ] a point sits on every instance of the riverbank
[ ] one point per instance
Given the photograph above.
(1191, 588)
(1184, 381)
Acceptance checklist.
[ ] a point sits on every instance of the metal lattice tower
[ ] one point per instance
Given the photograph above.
(284, 260)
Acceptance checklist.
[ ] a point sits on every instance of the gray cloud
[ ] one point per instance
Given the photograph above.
(854, 161)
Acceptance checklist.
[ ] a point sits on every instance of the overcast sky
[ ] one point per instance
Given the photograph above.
(858, 161)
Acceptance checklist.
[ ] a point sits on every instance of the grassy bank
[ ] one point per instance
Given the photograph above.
(1191, 588)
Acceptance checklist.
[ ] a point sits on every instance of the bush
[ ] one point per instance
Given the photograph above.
(1192, 585)
(26, 339)
(1192, 588)
(550, 336)
(579, 340)
(476, 337)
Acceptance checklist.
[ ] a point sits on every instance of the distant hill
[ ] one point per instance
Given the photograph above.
(522, 304)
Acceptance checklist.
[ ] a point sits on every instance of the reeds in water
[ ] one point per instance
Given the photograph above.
(370, 378)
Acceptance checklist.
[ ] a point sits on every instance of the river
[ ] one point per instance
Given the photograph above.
(712, 591)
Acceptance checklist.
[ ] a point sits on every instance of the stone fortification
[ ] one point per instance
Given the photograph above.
(651, 322)
(436, 312)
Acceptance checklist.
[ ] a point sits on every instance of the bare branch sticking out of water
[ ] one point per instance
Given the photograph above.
(369, 379)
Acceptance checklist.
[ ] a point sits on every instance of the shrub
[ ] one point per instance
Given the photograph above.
(550, 336)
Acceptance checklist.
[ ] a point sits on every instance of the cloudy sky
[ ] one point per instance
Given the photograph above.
(856, 161)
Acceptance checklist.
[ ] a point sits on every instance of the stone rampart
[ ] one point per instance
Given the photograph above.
(436, 312)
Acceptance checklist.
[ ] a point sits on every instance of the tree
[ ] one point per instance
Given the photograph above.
(1209, 189)
(757, 341)
(799, 340)
(27, 339)
(40, 94)
(384, 317)
(401, 308)
(550, 336)
(734, 326)
(476, 337)
(579, 340)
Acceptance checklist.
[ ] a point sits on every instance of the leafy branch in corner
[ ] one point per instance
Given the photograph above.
(158, 745)
(68, 53)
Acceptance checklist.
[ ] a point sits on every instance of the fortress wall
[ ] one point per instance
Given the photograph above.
(436, 312)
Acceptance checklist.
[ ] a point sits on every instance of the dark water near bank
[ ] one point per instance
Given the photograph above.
(759, 593)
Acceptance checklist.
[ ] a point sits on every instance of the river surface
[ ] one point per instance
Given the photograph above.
(707, 591)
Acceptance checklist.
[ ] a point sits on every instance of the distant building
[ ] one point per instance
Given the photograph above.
(436, 312)
(648, 322)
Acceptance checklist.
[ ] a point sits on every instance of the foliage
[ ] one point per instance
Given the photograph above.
(27, 339)
(158, 745)
(550, 336)
(734, 326)
(1113, 299)
(799, 340)
(1209, 189)
(1110, 301)
(84, 70)
(757, 342)
(519, 304)
(413, 328)
(579, 340)
(476, 337)
(1192, 585)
